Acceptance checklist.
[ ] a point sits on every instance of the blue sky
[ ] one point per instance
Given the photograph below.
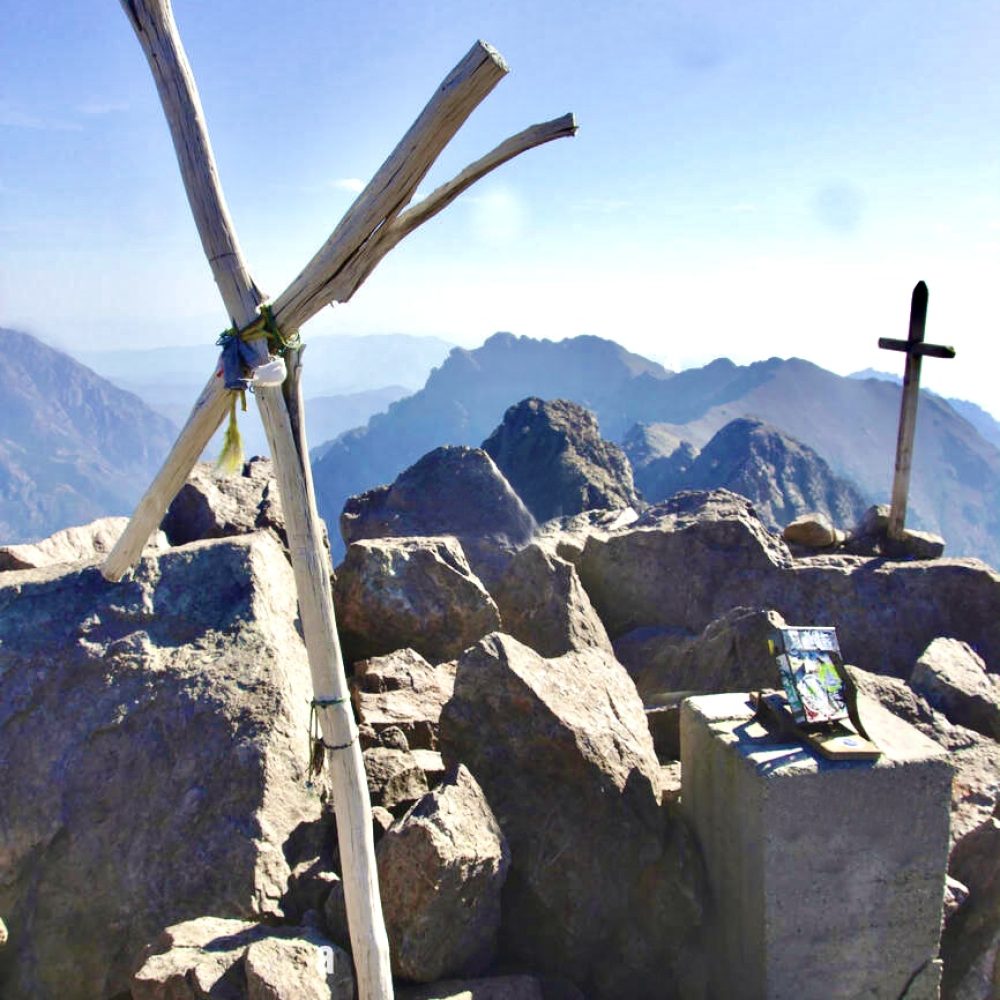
(750, 179)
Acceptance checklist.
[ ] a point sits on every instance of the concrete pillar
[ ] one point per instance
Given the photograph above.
(826, 879)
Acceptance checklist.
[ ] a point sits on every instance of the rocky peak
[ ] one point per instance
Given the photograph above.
(553, 454)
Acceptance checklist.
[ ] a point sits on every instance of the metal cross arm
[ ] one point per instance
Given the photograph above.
(915, 350)
(370, 228)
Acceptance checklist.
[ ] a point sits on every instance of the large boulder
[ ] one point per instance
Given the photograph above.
(85, 543)
(688, 561)
(602, 887)
(730, 654)
(543, 604)
(441, 869)
(452, 490)
(403, 690)
(553, 454)
(951, 675)
(211, 505)
(152, 764)
(239, 960)
(410, 593)
(970, 945)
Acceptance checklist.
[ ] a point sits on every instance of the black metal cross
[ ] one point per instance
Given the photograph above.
(915, 350)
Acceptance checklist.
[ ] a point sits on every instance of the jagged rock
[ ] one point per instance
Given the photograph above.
(710, 541)
(393, 737)
(306, 967)
(602, 888)
(402, 690)
(731, 654)
(953, 678)
(451, 491)
(970, 945)
(781, 476)
(566, 537)
(184, 688)
(416, 593)
(553, 454)
(543, 604)
(975, 789)
(238, 960)
(498, 988)
(210, 505)
(71, 545)
(441, 869)
(813, 531)
(432, 764)
(915, 545)
(196, 959)
(955, 894)
(310, 883)
(395, 779)
(885, 612)
(870, 537)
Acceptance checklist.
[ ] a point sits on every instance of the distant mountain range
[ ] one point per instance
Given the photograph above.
(984, 422)
(345, 380)
(73, 447)
(851, 423)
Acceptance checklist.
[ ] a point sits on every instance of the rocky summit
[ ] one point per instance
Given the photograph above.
(517, 684)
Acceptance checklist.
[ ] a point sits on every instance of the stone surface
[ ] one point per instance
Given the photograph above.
(603, 886)
(552, 453)
(731, 654)
(210, 505)
(416, 593)
(952, 676)
(4, 934)
(140, 722)
(916, 545)
(195, 959)
(403, 690)
(85, 543)
(306, 967)
(970, 945)
(498, 988)
(543, 604)
(450, 491)
(441, 869)
(237, 960)
(886, 612)
(976, 758)
(814, 531)
(395, 779)
(830, 882)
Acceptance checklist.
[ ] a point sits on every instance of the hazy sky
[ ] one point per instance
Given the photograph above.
(750, 179)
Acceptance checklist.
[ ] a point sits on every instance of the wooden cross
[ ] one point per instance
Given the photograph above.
(915, 350)
(371, 227)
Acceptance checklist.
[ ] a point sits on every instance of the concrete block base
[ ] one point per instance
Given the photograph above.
(826, 879)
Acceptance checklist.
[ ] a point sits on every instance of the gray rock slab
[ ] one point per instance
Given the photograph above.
(952, 676)
(410, 593)
(441, 869)
(152, 756)
(827, 877)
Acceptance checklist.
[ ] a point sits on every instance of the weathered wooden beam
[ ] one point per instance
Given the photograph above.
(157, 32)
(388, 192)
(363, 263)
(323, 280)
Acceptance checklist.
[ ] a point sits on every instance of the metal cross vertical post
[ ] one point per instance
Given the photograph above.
(915, 350)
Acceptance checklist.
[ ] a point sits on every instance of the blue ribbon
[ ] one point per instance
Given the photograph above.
(237, 355)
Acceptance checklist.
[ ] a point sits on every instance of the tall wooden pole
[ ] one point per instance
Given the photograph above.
(915, 350)
(154, 25)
